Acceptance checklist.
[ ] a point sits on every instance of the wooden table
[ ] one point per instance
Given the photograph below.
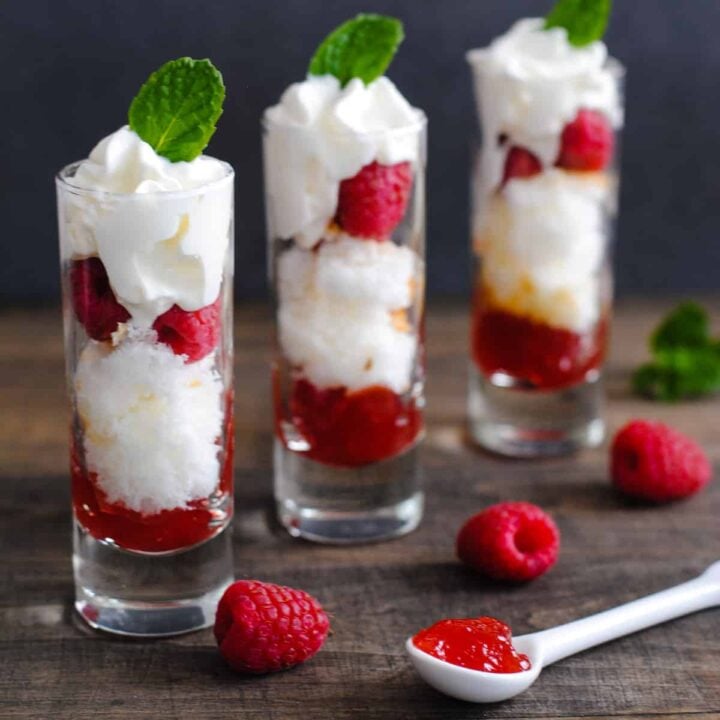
(54, 667)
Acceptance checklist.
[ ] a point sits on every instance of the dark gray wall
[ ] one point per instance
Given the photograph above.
(71, 67)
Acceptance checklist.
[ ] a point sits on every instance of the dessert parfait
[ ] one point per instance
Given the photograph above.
(344, 158)
(544, 197)
(146, 248)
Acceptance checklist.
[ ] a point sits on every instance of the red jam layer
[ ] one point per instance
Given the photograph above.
(482, 643)
(349, 429)
(160, 532)
(544, 356)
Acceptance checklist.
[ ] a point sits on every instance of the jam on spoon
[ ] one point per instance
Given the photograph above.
(482, 643)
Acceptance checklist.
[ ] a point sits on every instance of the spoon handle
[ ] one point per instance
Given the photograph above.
(559, 642)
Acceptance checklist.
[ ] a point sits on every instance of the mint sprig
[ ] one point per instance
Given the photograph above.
(177, 108)
(359, 48)
(584, 20)
(686, 360)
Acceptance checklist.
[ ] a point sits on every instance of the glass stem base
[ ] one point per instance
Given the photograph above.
(150, 595)
(342, 506)
(509, 419)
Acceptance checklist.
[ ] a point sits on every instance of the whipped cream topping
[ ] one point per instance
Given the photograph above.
(542, 244)
(530, 82)
(343, 317)
(161, 229)
(151, 423)
(320, 134)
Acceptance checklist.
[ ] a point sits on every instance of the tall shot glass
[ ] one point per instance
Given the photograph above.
(542, 241)
(151, 435)
(348, 373)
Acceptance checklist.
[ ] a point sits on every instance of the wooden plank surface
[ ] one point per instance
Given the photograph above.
(51, 666)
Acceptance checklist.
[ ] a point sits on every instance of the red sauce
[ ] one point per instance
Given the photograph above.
(541, 355)
(349, 429)
(482, 643)
(160, 532)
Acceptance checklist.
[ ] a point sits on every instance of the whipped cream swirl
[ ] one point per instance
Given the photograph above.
(321, 133)
(161, 229)
(530, 82)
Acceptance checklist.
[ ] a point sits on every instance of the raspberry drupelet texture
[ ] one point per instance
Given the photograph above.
(586, 143)
(96, 306)
(654, 462)
(192, 333)
(510, 541)
(520, 163)
(261, 627)
(372, 203)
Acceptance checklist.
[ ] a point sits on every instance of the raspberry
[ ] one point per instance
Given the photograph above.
(520, 163)
(261, 627)
(586, 143)
(372, 203)
(192, 333)
(509, 541)
(94, 301)
(652, 461)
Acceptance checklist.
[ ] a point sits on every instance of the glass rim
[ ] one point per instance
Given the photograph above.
(63, 179)
(417, 126)
(611, 64)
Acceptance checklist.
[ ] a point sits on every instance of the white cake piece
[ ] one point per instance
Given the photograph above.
(341, 316)
(151, 422)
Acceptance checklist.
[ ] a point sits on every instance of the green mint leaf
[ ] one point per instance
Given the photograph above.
(360, 48)
(686, 361)
(177, 108)
(687, 325)
(584, 20)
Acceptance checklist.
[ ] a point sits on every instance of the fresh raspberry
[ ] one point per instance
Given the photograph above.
(652, 461)
(509, 541)
(94, 301)
(192, 333)
(520, 163)
(586, 143)
(372, 203)
(261, 627)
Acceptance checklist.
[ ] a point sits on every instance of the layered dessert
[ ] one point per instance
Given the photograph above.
(147, 269)
(544, 194)
(343, 172)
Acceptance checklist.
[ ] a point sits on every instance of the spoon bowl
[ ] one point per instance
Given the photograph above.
(474, 685)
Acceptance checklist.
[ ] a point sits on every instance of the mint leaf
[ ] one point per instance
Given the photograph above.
(360, 48)
(687, 325)
(686, 361)
(177, 108)
(584, 20)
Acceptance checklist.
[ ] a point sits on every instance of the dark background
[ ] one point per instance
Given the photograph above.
(70, 69)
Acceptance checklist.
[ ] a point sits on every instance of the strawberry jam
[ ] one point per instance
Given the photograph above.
(349, 429)
(160, 532)
(546, 357)
(482, 643)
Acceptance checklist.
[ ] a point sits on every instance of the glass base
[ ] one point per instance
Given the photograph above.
(507, 418)
(334, 505)
(150, 595)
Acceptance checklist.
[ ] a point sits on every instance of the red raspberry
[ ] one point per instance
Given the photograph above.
(520, 163)
(509, 541)
(94, 301)
(192, 333)
(654, 462)
(261, 627)
(586, 143)
(372, 203)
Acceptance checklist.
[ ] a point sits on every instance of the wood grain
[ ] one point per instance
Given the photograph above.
(54, 667)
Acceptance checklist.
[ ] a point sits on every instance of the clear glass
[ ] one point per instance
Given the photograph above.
(151, 399)
(542, 289)
(348, 373)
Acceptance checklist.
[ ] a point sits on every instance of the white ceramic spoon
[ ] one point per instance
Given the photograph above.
(548, 646)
